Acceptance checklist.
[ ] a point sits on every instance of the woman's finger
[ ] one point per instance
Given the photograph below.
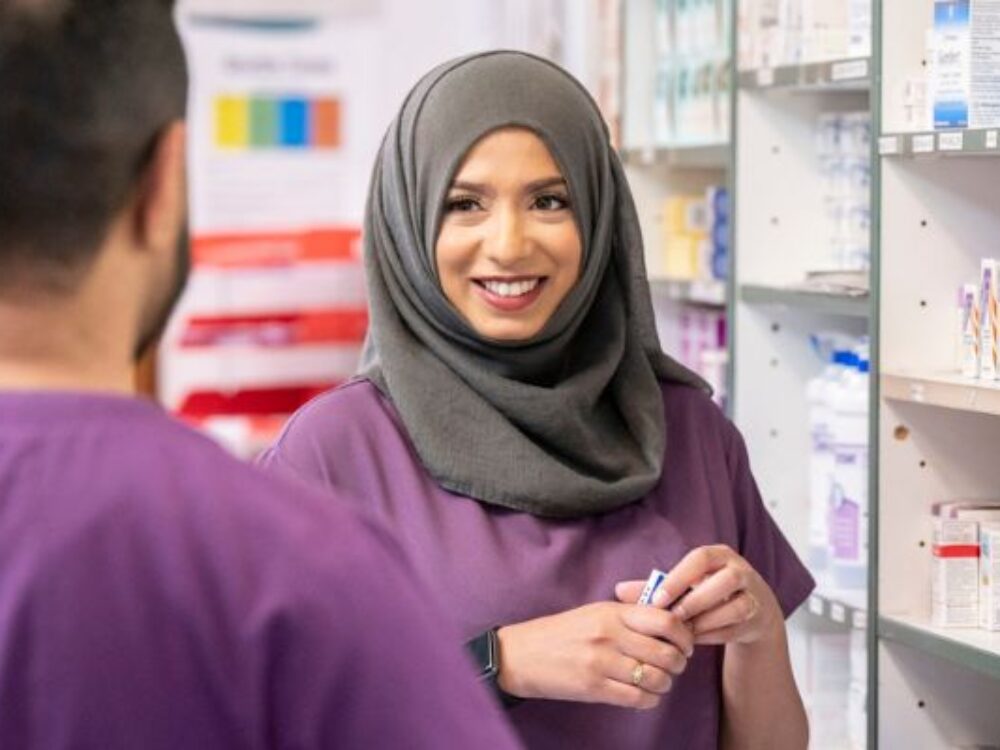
(642, 675)
(722, 636)
(628, 592)
(617, 693)
(719, 587)
(693, 568)
(656, 653)
(737, 611)
(659, 623)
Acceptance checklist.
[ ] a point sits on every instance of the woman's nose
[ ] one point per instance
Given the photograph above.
(508, 243)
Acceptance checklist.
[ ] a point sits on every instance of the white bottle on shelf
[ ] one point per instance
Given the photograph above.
(819, 392)
(849, 492)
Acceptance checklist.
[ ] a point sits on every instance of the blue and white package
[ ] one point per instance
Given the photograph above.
(950, 69)
(653, 584)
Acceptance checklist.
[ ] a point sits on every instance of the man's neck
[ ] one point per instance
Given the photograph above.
(56, 349)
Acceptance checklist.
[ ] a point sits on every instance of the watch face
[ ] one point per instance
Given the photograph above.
(484, 650)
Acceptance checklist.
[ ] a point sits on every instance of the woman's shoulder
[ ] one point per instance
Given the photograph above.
(357, 397)
(343, 414)
(687, 404)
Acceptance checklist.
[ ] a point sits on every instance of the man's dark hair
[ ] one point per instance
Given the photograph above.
(85, 88)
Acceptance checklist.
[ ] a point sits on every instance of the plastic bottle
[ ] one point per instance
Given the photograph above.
(833, 350)
(849, 491)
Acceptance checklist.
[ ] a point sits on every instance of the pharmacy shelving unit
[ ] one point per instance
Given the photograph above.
(658, 170)
(779, 237)
(938, 432)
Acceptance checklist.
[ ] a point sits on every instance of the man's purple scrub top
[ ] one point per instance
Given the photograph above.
(155, 594)
(489, 566)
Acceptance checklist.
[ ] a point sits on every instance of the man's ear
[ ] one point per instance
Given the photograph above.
(161, 199)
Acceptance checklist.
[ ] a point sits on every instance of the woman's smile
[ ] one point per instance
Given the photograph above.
(511, 294)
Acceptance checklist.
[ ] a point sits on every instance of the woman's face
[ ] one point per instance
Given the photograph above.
(509, 250)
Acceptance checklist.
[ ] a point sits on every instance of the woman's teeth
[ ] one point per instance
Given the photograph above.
(510, 289)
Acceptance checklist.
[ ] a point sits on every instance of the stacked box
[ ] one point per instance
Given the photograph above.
(955, 569)
(989, 576)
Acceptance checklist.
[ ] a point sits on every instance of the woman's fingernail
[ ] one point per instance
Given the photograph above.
(660, 598)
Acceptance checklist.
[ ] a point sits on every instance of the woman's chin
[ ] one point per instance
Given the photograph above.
(508, 330)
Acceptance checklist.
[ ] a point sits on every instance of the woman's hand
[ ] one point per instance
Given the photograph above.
(728, 602)
(593, 654)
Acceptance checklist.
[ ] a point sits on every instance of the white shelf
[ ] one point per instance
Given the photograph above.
(982, 142)
(709, 293)
(836, 75)
(945, 390)
(715, 156)
(972, 648)
(849, 305)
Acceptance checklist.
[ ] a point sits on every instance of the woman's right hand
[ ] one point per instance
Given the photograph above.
(590, 654)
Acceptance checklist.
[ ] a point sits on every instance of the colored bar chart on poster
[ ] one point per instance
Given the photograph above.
(231, 121)
(277, 122)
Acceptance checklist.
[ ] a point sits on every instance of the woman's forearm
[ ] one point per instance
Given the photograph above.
(761, 703)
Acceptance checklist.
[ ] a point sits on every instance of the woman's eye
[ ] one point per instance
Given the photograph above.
(551, 202)
(463, 204)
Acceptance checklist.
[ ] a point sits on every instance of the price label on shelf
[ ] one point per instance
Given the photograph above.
(923, 144)
(838, 613)
(816, 604)
(991, 139)
(849, 70)
(765, 76)
(888, 145)
(951, 141)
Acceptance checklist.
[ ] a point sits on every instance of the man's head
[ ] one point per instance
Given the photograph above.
(91, 148)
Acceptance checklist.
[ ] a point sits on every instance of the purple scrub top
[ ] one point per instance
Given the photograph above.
(157, 594)
(490, 566)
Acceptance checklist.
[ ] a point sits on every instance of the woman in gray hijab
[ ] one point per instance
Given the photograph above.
(518, 426)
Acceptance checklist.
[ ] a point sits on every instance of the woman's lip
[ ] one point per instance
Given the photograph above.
(510, 304)
(507, 279)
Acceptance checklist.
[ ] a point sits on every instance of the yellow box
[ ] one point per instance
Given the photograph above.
(232, 122)
(675, 212)
(681, 252)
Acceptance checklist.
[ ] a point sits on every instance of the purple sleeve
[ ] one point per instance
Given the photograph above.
(379, 668)
(761, 542)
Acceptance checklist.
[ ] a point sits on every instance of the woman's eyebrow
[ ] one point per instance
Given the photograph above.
(472, 187)
(531, 187)
(545, 182)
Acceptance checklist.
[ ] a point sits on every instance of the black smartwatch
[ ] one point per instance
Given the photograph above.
(485, 651)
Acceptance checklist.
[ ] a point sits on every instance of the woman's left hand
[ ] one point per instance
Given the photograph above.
(728, 602)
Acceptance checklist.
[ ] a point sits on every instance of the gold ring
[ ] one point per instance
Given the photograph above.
(638, 673)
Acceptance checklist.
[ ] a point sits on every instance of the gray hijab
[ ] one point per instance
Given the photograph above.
(571, 422)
